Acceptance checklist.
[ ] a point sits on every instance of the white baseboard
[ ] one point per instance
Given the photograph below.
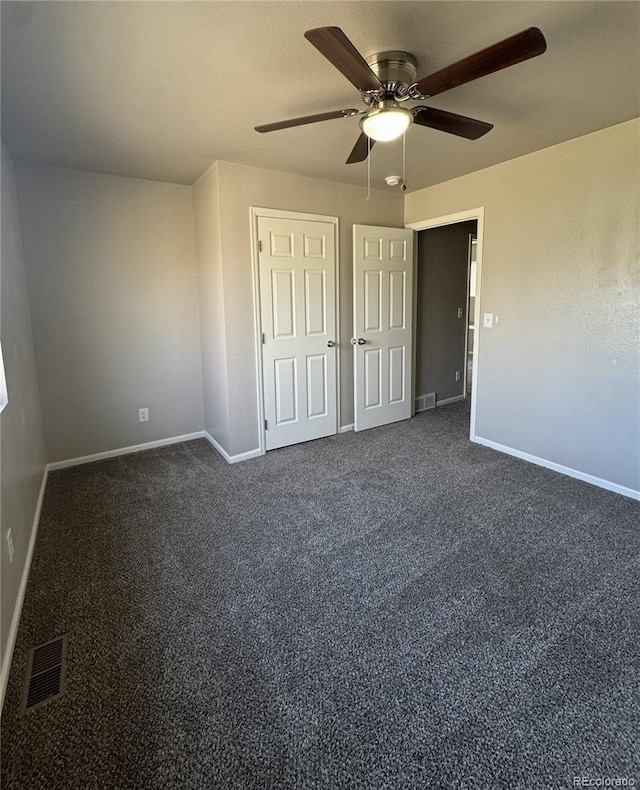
(445, 401)
(565, 470)
(17, 610)
(134, 448)
(346, 428)
(232, 459)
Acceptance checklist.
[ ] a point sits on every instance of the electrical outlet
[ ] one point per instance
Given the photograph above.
(458, 375)
(143, 415)
(460, 312)
(10, 545)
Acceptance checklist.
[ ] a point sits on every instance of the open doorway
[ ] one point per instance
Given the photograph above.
(447, 303)
(444, 333)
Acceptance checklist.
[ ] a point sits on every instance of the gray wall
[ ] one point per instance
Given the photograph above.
(442, 285)
(113, 290)
(240, 188)
(22, 454)
(213, 337)
(559, 376)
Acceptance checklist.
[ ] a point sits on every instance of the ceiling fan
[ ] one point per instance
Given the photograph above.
(386, 79)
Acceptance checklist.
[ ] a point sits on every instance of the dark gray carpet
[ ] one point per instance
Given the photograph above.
(386, 610)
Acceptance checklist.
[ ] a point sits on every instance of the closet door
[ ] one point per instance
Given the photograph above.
(298, 311)
(383, 325)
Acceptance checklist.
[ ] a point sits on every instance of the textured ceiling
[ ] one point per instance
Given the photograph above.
(160, 90)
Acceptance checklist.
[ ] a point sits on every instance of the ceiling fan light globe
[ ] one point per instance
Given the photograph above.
(386, 124)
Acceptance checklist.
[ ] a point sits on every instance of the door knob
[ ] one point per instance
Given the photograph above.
(331, 343)
(361, 341)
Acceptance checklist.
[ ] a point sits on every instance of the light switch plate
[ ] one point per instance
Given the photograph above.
(487, 321)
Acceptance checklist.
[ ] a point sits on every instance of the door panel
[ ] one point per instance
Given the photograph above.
(397, 299)
(297, 301)
(315, 246)
(372, 304)
(317, 385)
(383, 293)
(397, 249)
(284, 318)
(372, 369)
(315, 302)
(281, 245)
(286, 391)
(396, 374)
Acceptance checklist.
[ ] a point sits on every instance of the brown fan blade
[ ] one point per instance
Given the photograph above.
(360, 150)
(337, 48)
(527, 44)
(323, 116)
(450, 122)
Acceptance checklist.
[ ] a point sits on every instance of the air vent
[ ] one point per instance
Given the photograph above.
(425, 402)
(46, 672)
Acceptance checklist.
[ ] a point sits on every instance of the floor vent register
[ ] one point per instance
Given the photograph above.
(46, 673)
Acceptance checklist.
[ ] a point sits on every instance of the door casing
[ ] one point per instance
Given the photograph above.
(255, 213)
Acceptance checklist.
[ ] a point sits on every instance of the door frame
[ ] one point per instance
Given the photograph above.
(466, 313)
(438, 222)
(255, 213)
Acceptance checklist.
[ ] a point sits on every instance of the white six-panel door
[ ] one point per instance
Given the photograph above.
(298, 313)
(383, 325)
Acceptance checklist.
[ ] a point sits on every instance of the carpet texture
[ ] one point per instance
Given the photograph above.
(387, 610)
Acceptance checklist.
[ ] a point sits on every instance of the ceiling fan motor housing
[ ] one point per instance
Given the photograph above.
(395, 69)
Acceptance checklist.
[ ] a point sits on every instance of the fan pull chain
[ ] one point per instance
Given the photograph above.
(369, 169)
(404, 160)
